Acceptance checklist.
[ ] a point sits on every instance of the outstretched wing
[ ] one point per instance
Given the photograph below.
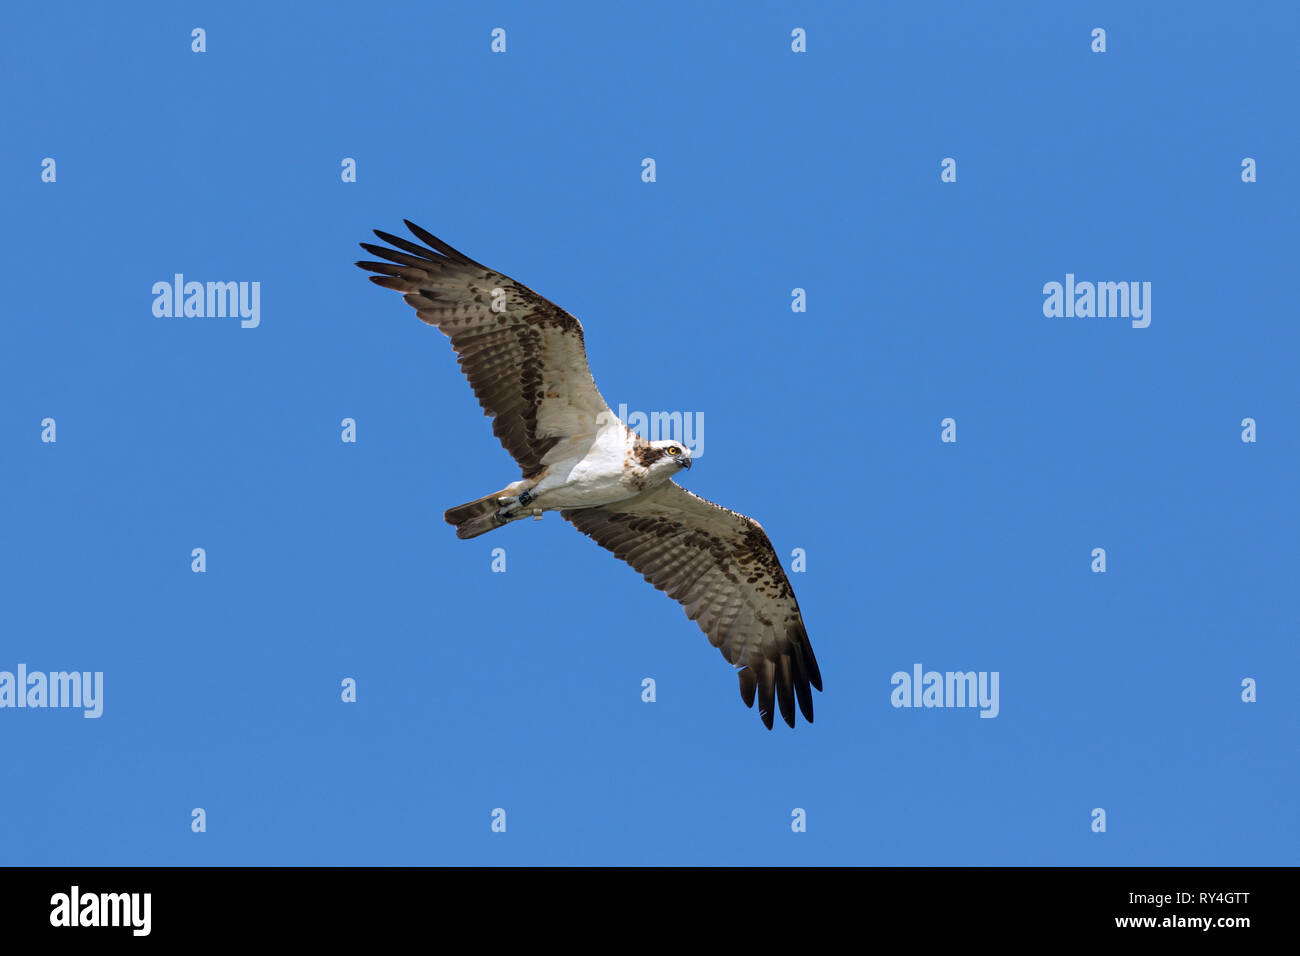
(523, 355)
(723, 570)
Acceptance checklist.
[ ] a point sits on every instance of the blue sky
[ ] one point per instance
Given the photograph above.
(775, 170)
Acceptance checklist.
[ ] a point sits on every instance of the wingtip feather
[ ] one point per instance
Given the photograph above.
(748, 684)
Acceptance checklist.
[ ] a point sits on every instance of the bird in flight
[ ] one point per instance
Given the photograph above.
(525, 359)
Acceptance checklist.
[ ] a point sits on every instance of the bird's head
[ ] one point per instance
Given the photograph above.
(667, 456)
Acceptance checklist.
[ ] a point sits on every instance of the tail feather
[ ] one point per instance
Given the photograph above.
(473, 509)
(473, 527)
(475, 517)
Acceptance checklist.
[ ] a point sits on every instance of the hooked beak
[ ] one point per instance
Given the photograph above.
(684, 462)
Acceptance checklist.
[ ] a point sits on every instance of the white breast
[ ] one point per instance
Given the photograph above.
(595, 475)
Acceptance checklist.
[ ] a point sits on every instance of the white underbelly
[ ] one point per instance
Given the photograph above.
(581, 485)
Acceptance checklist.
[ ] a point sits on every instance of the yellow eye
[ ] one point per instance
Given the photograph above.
(674, 451)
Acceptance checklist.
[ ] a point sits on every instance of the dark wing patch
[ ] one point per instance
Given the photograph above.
(721, 567)
(527, 363)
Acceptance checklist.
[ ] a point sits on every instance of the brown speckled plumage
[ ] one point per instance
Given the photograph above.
(512, 358)
(721, 567)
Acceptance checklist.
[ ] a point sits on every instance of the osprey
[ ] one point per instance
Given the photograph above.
(525, 359)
